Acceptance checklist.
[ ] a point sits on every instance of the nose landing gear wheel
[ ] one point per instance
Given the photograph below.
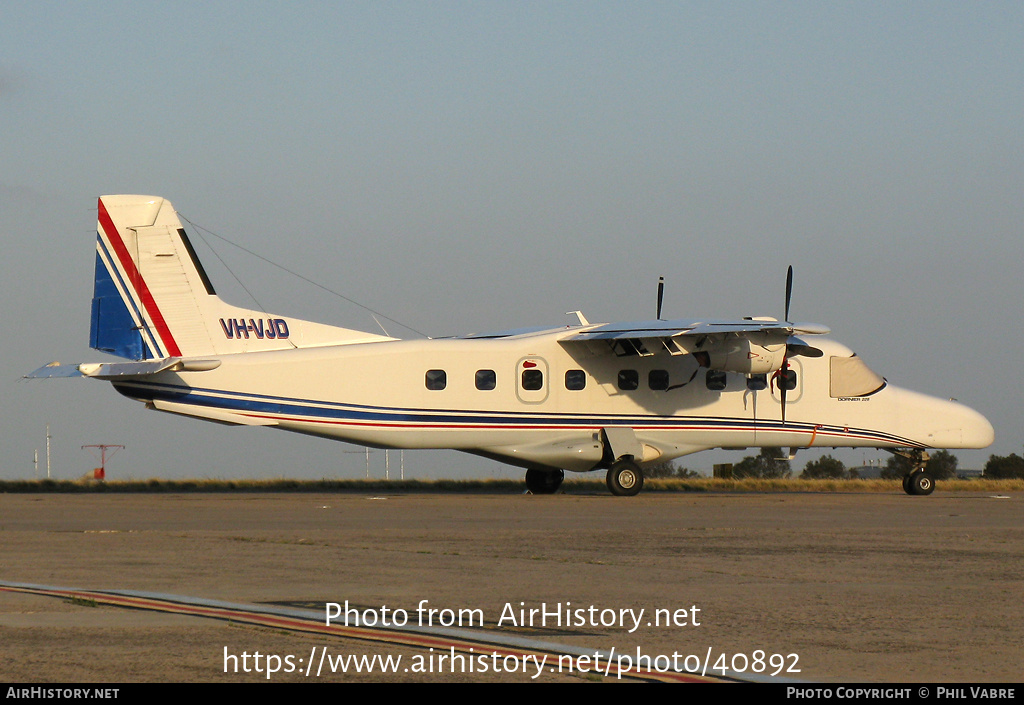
(917, 481)
(625, 478)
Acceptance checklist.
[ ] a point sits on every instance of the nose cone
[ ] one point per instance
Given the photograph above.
(980, 432)
(976, 430)
(946, 424)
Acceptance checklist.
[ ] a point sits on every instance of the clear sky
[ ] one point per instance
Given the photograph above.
(482, 165)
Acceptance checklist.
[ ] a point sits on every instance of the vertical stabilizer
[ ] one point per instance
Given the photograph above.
(153, 299)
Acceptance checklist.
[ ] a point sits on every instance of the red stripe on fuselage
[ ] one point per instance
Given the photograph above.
(135, 277)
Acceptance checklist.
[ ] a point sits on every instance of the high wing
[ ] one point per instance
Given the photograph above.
(662, 329)
(749, 345)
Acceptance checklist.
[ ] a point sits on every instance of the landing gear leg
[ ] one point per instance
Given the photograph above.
(625, 478)
(543, 481)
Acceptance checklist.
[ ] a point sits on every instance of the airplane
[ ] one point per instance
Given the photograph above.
(579, 397)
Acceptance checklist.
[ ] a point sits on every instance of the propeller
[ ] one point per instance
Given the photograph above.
(794, 346)
(782, 373)
(661, 294)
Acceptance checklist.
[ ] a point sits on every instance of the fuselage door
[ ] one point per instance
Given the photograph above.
(532, 381)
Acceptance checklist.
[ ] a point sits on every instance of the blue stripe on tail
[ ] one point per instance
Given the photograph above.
(113, 329)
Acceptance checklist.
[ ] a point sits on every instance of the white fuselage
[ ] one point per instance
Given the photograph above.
(377, 394)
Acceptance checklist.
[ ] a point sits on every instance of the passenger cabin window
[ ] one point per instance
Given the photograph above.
(786, 379)
(533, 379)
(575, 380)
(486, 380)
(715, 380)
(657, 380)
(436, 379)
(850, 377)
(756, 383)
(628, 380)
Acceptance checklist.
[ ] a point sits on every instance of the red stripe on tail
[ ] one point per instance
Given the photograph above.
(135, 276)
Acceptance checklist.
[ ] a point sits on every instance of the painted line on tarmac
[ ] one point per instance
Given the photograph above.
(308, 621)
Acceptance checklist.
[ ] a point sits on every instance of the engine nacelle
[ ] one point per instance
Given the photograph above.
(743, 355)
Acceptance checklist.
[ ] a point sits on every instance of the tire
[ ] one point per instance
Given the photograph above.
(625, 479)
(906, 484)
(543, 481)
(921, 483)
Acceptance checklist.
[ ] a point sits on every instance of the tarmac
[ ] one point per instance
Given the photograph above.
(811, 586)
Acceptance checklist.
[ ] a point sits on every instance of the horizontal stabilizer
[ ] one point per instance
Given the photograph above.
(54, 370)
(116, 370)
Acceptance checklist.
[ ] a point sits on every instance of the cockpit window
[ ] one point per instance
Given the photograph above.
(852, 378)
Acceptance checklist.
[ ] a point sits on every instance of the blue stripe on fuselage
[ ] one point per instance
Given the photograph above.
(336, 412)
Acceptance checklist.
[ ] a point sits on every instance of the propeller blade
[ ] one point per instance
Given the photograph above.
(661, 294)
(783, 378)
(782, 394)
(795, 346)
(789, 290)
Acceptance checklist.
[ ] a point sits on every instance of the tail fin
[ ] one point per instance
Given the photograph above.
(152, 298)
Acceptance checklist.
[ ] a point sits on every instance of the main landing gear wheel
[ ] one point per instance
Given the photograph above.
(625, 478)
(543, 481)
(919, 483)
